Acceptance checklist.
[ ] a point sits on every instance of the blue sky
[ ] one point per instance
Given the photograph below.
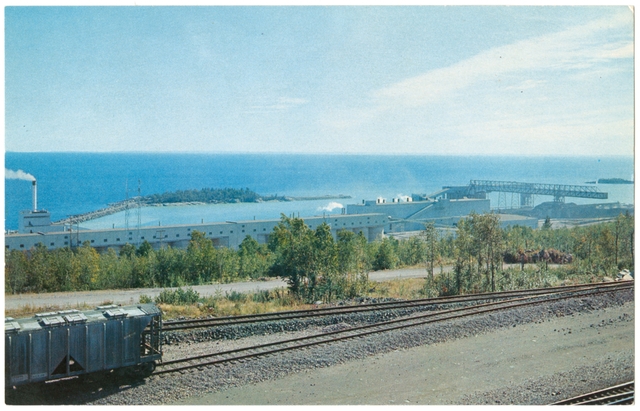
(385, 80)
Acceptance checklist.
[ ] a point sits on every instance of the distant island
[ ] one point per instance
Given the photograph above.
(610, 181)
(223, 196)
(210, 196)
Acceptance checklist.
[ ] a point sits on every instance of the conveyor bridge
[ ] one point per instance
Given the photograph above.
(526, 190)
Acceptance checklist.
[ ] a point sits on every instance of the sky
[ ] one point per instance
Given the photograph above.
(376, 80)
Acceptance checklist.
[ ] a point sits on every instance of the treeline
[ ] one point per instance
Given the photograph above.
(208, 195)
(318, 267)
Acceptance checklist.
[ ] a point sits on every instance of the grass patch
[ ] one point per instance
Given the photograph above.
(29, 310)
(407, 289)
(234, 303)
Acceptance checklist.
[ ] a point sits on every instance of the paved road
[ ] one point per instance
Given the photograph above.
(93, 298)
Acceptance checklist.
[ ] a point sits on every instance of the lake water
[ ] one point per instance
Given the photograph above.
(73, 183)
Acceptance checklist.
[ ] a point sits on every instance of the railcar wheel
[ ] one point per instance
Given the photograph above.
(142, 370)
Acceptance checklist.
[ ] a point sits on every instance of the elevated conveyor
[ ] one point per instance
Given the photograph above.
(527, 190)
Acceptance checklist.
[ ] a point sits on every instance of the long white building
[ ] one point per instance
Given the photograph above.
(223, 234)
(372, 218)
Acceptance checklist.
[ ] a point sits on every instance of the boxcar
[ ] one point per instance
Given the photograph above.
(61, 344)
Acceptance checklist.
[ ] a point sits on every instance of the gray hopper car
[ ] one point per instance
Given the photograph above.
(62, 344)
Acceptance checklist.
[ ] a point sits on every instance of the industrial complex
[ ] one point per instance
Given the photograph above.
(373, 218)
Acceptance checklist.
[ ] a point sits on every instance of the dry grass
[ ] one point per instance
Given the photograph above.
(406, 289)
(243, 304)
(30, 310)
(223, 307)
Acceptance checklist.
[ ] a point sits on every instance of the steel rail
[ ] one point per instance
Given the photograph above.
(296, 314)
(629, 399)
(386, 326)
(618, 394)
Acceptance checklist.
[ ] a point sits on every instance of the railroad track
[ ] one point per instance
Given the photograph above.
(616, 395)
(242, 354)
(390, 305)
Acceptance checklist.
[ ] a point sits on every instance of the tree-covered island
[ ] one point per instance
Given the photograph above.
(210, 195)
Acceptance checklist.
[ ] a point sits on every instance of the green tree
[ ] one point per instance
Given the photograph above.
(200, 259)
(487, 239)
(386, 257)
(430, 238)
(412, 251)
(325, 276)
(227, 264)
(113, 273)
(353, 261)
(144, 249)
(307, 260)
(64, 270)
(255, 258)
(41, 276)
(291, 243)
(16, 279)
(464, 266)
(168, 266)
(128, 251)
(87, 267)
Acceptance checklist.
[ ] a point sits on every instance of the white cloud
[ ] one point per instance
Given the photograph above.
(562, 93)
(579, 47)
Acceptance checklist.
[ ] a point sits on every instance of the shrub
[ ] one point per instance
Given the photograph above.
(236, 296)
(145, 299)
(178, 297)
(262, 296)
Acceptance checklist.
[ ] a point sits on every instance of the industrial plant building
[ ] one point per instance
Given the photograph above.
(374, 219)
(224, 234)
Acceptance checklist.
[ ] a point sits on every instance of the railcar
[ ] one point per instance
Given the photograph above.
(110, 339)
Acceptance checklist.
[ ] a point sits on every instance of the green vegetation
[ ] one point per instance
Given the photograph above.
(177, 297)
(187, 302)
(319, 267)
(209, 195)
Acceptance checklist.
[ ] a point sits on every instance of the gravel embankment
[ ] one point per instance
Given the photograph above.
(607, 373)
(234, 332)
(197, 382)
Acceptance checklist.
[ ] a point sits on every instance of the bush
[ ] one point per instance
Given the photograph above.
(262, 296)
(178, 297)
(236, 296)
(145, 299)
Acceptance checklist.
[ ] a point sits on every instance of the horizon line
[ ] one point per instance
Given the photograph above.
(322, 153)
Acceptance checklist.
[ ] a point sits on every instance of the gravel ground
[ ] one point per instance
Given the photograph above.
(228, 332)
(580, 380)
(233, 383)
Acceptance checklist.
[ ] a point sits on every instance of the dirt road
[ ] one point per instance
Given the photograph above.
(93, 298)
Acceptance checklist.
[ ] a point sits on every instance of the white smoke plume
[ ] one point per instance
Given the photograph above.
(331, 206)
(18, 175)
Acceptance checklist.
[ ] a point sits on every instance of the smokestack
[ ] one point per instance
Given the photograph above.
(35, 195)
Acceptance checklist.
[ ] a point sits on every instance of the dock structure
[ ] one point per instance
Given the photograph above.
(477, 188)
